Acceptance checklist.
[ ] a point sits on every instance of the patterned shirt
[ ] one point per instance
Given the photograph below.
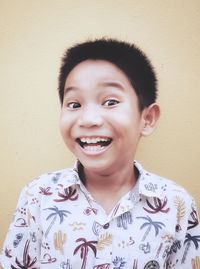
(58, 225)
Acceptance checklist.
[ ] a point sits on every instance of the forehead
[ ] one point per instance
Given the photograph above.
(97, 71)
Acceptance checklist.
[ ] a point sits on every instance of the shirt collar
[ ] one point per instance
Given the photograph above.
(150, 185)
(69, 177)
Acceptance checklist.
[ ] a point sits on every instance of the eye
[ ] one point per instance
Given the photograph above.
(73, 105)
(110, 102)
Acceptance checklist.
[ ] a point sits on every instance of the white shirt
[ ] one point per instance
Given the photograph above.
(58, 225)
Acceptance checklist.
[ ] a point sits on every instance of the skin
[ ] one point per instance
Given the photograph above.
(100, 102)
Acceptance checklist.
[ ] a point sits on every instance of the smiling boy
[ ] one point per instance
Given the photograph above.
(107, 212)
(101, 124)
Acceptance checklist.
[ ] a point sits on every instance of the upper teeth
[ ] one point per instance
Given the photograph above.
(93, 140)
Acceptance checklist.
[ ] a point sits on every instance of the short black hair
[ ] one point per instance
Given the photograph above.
(128, 57)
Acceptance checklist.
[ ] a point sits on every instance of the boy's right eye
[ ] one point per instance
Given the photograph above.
(73, 105)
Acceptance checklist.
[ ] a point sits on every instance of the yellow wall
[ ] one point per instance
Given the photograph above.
(33, 36)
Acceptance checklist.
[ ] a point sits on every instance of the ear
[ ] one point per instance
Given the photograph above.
(150, 117)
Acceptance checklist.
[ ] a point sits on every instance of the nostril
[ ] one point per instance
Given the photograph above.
(90, 120)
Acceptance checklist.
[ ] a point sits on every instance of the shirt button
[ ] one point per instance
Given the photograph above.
(106, 226)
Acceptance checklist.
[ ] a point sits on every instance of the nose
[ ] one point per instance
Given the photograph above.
(90, 116)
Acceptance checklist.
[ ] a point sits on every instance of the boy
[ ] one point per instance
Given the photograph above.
(107, 212)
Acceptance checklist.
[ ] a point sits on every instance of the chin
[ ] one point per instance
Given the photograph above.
(98, 167)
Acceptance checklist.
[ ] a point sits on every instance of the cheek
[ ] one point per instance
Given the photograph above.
(129, 126)
(65, 131)
(123, 121)
(65, 126)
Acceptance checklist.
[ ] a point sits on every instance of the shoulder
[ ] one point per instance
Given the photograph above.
(48, 183)
(40, 193)
(166, 185)
(153, 185)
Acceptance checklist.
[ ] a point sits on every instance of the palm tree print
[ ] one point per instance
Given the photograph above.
(84, 248)
(189, 239)
(158, 206)
(157, 225)
(194, 219)
(27, 262)
(56, 213)
(45, 191)
(69, 194)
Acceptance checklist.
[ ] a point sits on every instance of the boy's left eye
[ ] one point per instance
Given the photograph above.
(110, 102)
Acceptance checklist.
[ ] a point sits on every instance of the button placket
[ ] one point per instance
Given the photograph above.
(104, 246)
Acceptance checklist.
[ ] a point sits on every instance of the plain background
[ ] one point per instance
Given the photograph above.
(33, 37)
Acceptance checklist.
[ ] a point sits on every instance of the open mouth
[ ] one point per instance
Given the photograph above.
(94, 143)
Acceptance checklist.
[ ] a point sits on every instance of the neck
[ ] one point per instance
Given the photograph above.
(107, 189)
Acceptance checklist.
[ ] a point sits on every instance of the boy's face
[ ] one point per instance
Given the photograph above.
(100, 120)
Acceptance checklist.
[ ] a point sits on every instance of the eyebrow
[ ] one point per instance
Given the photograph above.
(104, 84)
(68, 89)
(112, 84)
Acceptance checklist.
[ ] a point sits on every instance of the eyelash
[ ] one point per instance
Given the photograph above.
(73, 105)
(112, 101)
(107, 103)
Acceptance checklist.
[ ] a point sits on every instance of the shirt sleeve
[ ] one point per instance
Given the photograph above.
(22, 245)
(185, 253)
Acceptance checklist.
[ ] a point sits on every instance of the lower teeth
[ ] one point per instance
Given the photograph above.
(93, 148)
